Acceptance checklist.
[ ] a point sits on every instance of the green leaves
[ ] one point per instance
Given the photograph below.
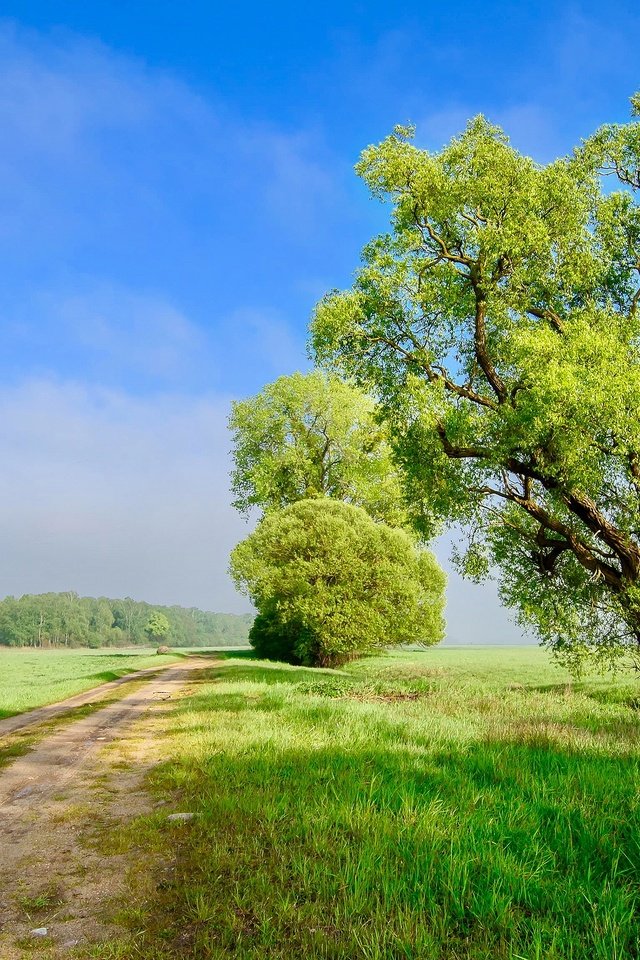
(497, 326)
(615, 149)
(312, 435)
(331, 584)
(158, 627)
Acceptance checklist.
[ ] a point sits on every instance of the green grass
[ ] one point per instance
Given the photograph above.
(439, 805)
(34, 678)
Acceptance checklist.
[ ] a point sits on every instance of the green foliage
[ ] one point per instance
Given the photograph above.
(273, 638)
(312, 435)
(498, 325)
(157, 627)
(67, 620)
(331, 583)
(615, 148)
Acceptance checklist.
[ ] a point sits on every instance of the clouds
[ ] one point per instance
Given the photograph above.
(139, 216)
(103, 493)
(108, 494)
(82, 113)
(113, 337)
(140, 222)
(547, 80)
(127, 328)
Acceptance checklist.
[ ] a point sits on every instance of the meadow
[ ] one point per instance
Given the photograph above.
(34, 678)
(433, 805)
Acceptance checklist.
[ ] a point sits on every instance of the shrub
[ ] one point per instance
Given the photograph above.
(331, 584)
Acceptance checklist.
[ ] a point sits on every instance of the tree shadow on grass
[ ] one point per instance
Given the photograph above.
(270, 672)
(477, 850)
(249, 654)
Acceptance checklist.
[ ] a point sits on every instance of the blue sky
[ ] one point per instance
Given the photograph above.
(177, 191)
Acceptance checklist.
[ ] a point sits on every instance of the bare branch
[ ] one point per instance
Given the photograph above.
(549, 315)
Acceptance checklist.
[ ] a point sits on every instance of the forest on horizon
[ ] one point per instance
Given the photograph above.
(68, 620)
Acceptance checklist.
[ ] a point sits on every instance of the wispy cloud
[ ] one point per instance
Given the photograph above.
(105, 493)
(146, 228)
(140, 215)
(263, 337)
(77, 109)
(298, 176)
(545, 89)
(132, 330)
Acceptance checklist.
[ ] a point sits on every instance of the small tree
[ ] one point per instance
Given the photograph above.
(312, 435)
(331, 584)
(157, 628)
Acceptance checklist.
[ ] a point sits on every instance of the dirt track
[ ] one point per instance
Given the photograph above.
(53, 710)
(60, 802)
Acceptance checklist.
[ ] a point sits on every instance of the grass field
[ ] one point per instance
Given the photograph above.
(33, 678)
(439, 805)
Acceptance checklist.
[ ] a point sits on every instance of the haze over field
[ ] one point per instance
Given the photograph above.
(170, 217)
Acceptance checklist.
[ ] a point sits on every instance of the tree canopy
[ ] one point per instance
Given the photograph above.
(66, 619)
(312, 435)
(498, 326)
(157, 627)
(331, 584)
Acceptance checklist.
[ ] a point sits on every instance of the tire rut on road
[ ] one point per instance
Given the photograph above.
(49, 712)
(65, 788)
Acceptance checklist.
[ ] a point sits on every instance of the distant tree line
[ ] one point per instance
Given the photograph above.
(68, 620)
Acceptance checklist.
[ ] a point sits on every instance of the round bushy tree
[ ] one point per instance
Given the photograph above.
(331, 584)
(158, 627)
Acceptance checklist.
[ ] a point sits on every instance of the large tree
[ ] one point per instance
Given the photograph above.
(312, 435)
(498, 324)
(331, 584)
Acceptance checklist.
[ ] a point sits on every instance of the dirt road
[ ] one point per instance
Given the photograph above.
(53, 710)
(59, 805)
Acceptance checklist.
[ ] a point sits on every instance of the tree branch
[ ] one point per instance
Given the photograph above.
(581, 550)
(547, 314)
(444, 252)
(436, 374)
(480, 340)
(458, 453)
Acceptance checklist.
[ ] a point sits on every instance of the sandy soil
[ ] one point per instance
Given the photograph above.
(59, 805)
(54, 710)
